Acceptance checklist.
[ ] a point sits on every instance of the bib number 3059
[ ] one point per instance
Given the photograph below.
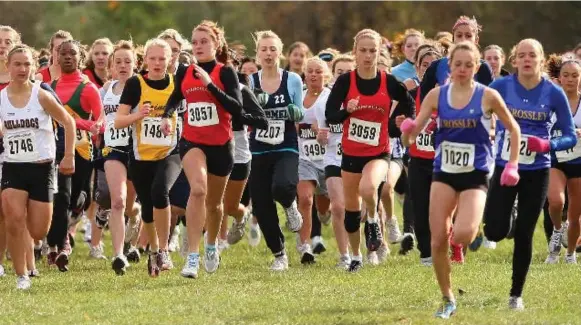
(273, 135)
(151, 132)
(364, 132)
(525, 156)
(457, 157)
(202, 114)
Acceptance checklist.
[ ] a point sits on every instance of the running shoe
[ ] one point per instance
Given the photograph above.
(318, 245)
(393, 233)
(23, 282)
(307, 256)
(488, 244)
(355, 266)
(132, 229)
(516, 303)
(565, 236)
(166, 262)
(477, 242)
(133, 254)
(97, 252)
(174, 240)
(407, 243)
(254, 235)
(457, 254)
(571, 259)
(426, 261)
(325, 218)
(152, 265)
(238, 230)
(373, 237)
(447, 309)
(102, 217)
(383, 253)
(372, 258)
(120, 264)
(2, 272)
(192, 266)
(294, 219)
(344, 262)
(211, 260)
(62, 261)
(280, 263)
(555, 241)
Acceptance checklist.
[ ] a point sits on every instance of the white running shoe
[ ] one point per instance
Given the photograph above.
(488, 244)
(571, 259)
(383, 253)
(344, 262)
(552, 258)
(23, 282)
(2, 272)
(565, 236)
(185, 246)
(294, 219)
(372, 258)
(306, 252)
(174, 241)
(394, 234)
(325, 218)
(96, 252)
(237, 230)
(555, 242)
(211, 260)
(222, 245)
(426, 261)
(280, 264)
(87, 235)
(516, 303)
(132, 229)
(192, 266)
(254, 235)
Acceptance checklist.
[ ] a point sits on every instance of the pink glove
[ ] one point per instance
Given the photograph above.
(407, 126)
(510, 176)
(536, 144)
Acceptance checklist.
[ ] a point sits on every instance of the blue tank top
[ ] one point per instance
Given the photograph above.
(463, 136)
(533, 111)
(281, 134)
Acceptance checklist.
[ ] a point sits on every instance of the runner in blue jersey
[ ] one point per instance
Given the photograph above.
(275, 155)
(463, 158)
(532, 99)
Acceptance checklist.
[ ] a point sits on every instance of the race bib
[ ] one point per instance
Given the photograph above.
(457, 157)
(364, 132)
(151, 132)
(569, 154)
(339, 151)
(116, 137)
(82, 138)
(21, 146)
(425, 141)
(273, 135)
(525, 156)
(313, 150)
(202, 114)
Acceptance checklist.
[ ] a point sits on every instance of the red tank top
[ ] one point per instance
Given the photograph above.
(93, 78)
(45, 72)
(365, 130)
(2, 85)
(424, 145)
(205, 119)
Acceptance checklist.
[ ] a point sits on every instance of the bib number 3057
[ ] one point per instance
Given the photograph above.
(457, 157)
(151, 132)
(202, 114)
(364, 131)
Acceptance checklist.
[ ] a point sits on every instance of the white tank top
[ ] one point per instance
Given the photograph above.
(28, 131)
(114, 137)
(242, 153)
(577, 116)
(333, 149)
(309, 147)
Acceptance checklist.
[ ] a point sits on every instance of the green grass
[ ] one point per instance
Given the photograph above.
(243, 291)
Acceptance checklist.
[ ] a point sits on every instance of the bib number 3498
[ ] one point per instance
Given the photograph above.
(364, 131)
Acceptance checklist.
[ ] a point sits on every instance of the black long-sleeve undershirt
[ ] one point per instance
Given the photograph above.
(368, 87)
(252, 114)
(230, 98)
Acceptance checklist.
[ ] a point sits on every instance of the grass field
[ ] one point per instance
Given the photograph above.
(243, 291)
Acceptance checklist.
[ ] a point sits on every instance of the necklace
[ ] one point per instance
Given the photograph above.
(315, 93)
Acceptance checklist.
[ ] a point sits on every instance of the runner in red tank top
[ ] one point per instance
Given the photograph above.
(420, 167)
(366, 95)
(212, 93)
(206, 120)
(97, 67)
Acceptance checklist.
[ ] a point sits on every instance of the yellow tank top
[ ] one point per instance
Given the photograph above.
(149, 143)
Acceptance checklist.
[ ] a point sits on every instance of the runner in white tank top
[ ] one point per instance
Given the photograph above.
(28, 183)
